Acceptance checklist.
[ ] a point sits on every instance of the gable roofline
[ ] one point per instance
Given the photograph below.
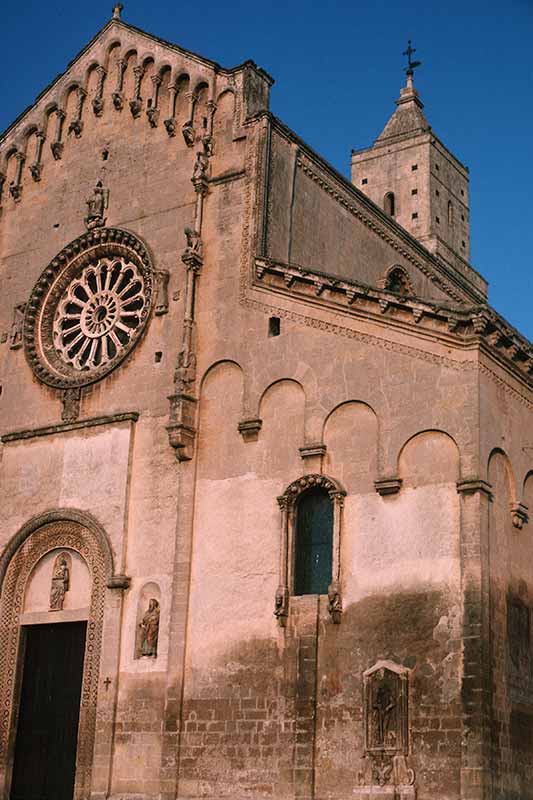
(119, 23)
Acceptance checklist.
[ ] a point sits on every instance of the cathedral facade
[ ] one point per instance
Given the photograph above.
(264, 464)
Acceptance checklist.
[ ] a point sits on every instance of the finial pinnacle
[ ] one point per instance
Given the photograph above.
(117, 10)
(411, 65)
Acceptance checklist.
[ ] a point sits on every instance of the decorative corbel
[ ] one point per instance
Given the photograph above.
(37, 167)
(188, 132)
(170, 123)
(15, 187)
(519, 515)
(152, 112)
(98, 101)
(385, 486)
(76, 126)
(249, 429)
(57, 145)
(161, 282)
(137, 102)
(117, 95)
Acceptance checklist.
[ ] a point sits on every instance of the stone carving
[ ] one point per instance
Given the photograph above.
(60, 581)
(71, 404)
(76, 125)
(107, 277)
(189, 134)
(57, 150)
(335, 602)
(117, 95)
(281, 605)
(17, 326)
(149, 626)
(194, 242)
(249, 429)
(161, 281)
(170, 126)
(199, 175)
(519, 515)
(96, 205)
(153, 116)
(185, 372)
(98, 102)
(137, 103)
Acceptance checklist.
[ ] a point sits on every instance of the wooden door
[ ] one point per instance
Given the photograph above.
(45, 747)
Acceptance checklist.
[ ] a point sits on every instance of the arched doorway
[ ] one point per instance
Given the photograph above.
(53, 577)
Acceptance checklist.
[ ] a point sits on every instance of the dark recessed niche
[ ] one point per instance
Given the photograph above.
(463, 244)
(463, 192)
(364, 181)
(158, 356)
(414, 167)
(1, 389)
(414, 191)
(56, 224)
(437, 192)
(105, 154)
(274, 326)
(437, 220)
(437, 167)
(414, 215)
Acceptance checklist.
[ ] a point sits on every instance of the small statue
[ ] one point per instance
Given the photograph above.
(149, 626)
(97, 204)
(60, 583)
(185, 373)
(17, 327)
(281, 605)
(199, 174)
(189, 133)
(335, 602)
(194, 243)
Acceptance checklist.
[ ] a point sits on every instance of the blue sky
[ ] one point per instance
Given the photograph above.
(338, 69)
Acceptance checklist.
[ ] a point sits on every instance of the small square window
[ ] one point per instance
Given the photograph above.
(364, 181)
(437, 220)
(414, 191)
(414, 215)
(414, 167)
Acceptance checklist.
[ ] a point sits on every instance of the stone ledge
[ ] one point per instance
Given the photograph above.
(65, 427)
(249, 429)
(385, 486)
(471, 485)
(314, 449)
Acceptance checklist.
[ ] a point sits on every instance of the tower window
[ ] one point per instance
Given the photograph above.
(414, 191)
(437, 192)
(313, 555)
(450, 213)
(463, 217)
(389, 204)
(437, 167)
(437, 220)
(364, 181)
(414, 215)
(463, 244)
(414, 167)
(463, 192)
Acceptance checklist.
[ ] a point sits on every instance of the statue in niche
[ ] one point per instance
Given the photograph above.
(149, 626)
(60, 582)
(96, 205)
(383, 708)
(189, 134)
(194, 242)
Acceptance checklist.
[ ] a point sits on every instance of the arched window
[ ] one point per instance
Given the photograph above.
(311, 524)
(313, 546)
(397, 280)
(450, 213)
(389, 204)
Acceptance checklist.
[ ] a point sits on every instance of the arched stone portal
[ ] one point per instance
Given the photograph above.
(50, 538)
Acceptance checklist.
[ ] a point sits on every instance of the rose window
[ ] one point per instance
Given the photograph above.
(98, 314)
(89, 308)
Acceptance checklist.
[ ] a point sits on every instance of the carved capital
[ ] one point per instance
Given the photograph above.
(182, 425)
(36, 171)
(153, 116)
(136, 107)
(156, 80)
(98, 106)
(118, 100)
(119, 582)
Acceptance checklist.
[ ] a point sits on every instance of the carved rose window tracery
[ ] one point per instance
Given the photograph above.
(99, 314)
(89, 308)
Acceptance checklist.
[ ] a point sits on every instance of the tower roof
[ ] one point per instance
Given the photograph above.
(408, 120)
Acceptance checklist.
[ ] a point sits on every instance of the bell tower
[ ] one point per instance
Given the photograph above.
(415, 179)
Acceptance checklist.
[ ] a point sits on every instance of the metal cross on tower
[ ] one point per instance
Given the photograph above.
(411, 65)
